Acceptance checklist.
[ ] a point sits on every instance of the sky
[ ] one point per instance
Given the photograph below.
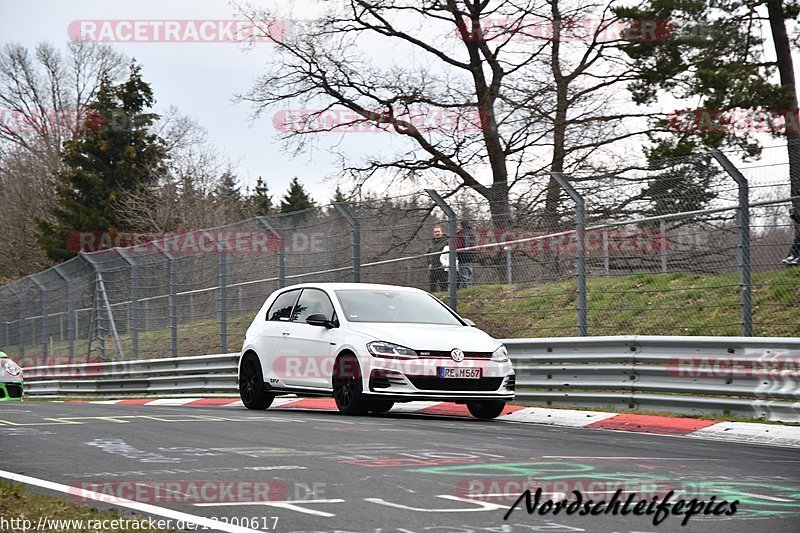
(202, 79)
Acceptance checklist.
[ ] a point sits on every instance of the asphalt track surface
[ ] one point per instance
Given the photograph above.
(389, 473)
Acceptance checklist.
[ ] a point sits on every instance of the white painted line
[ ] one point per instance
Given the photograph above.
(216, 525)
(770, 498)
(105, 402)
(277, 402)
(557, 417)
(412, 407)
(290, 505)
(171, 401)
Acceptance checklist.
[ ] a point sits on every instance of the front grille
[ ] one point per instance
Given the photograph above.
(440, 354)
(14, 390)
(434, 383)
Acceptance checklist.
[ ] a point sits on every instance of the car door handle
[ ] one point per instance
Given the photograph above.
(286, 332)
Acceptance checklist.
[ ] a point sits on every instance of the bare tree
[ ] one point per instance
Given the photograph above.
(522, 97)
(43, 94)
(184, 199)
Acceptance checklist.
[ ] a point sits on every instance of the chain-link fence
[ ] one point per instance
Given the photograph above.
(690, 247)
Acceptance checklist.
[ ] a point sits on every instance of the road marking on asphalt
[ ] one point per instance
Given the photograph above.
(291, 505)
(147, 508)
(481, 506)
(664, 458)
(770, 498)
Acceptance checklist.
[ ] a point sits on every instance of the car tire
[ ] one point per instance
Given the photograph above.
(380, 406)
(486, 409)
(251, 384)
(347, 390)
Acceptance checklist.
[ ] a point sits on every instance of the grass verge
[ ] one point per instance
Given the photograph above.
(18, 504)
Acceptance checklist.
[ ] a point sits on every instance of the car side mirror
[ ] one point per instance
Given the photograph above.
(318, 319)
(470, 323)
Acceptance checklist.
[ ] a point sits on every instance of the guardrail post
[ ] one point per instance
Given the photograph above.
(743, 244)
(70, 311)
(452, 270)
(45, 311)
(281, 250)
(133, 320)
(20, 328)
(356, 227)
(580, 259)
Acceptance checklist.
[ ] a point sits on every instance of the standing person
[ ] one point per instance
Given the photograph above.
(436, 273)
(794, 252)
(465, 237)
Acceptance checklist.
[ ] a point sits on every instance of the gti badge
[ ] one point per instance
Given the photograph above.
(457, 355)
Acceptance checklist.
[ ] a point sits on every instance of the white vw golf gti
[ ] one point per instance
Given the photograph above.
(370, 346)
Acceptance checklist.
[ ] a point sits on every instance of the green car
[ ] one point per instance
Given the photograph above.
(10, 380)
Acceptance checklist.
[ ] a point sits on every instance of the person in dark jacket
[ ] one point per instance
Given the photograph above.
(465, 237)
(794, 252)
(436, 272)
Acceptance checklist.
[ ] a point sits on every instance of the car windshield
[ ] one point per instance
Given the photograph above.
(394, 306)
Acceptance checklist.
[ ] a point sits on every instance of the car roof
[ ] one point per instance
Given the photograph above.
(353, 286)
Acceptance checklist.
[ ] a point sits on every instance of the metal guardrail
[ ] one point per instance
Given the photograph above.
(181, 376)
(740, 376)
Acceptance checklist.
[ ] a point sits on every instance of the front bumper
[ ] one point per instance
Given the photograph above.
(422, 382)
(11, 391)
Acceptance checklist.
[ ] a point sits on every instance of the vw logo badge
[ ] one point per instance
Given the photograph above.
(457, 355)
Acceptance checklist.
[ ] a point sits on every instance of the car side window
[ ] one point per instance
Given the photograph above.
(281, 308)
(312, 302)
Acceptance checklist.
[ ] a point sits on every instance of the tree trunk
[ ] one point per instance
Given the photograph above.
(783, 51)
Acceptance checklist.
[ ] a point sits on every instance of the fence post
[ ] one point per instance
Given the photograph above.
(509, 266)
(45, 311)
(223, 293)
(663, 240)
(133, 320)
(101, 300)
(281, 250)
(606, 260)
(20, 328)
(452, 271)
(356, 227)
(173, 297)
(743, 244)
(580, 259)
(70, 311)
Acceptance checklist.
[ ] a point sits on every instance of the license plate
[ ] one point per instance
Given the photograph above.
(459, 373)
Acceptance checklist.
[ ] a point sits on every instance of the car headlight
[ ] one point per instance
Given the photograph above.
(500, 355)
(388, 349)
(12, 368)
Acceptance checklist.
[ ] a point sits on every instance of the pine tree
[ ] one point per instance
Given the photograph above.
(338, 196)
(296, 198)
(228, 189)
(261, 200)
(717, 54)
(112, 155)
